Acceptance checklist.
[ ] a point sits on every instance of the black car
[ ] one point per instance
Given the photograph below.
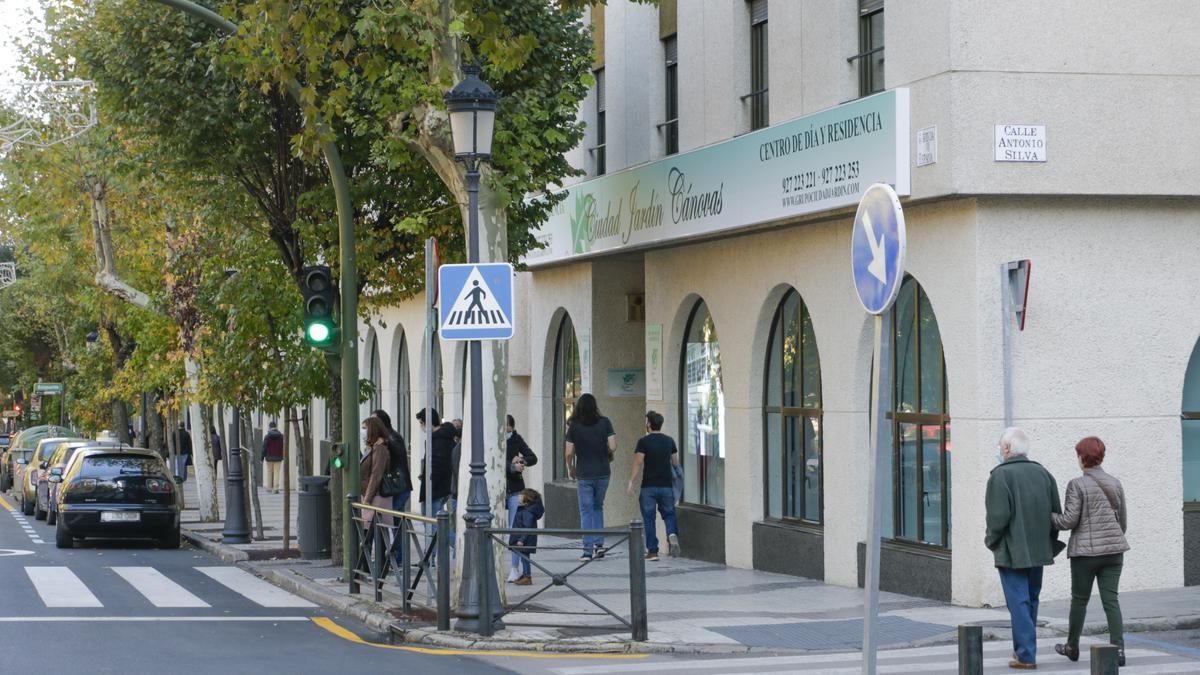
(127, 494)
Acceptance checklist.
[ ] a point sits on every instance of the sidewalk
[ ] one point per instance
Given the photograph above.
(693, 606)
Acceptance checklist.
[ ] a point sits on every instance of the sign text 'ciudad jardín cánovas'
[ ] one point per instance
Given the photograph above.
(811, 164)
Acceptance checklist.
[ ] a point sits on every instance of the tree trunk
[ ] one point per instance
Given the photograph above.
(120, 419)
(289, 415)
(154, 426)
(252, 480)
(206, 487)
(337, 488)
(222, 434)
(304, 436)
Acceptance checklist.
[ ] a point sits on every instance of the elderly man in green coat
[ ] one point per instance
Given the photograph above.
(1021, 495)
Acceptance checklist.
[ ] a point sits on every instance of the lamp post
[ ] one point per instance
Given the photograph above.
(472, 107)
(237, 525)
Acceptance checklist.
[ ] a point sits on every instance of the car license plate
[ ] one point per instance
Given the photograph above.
(120, 516)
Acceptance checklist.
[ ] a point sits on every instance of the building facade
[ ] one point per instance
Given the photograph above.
(701, 269)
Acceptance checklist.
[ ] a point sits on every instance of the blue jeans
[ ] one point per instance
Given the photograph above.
(438, 505)
(526, 566)
(662, 500)
(591, 510)
(1021, 590)
(512, 503)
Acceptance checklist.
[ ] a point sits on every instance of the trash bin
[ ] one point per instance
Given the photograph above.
(314, 517)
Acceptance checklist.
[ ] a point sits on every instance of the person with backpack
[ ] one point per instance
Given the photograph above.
(518, 456)
(272, 454)
(1097, 517)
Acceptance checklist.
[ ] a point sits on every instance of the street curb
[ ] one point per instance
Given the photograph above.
(375, 616)
(225, 552)
(1140, 625)
(467, 641)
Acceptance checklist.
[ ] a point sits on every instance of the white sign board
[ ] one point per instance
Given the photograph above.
(654, 365)
(626, 383)
(1020, 143)
(927, 146)
(585, 359)
(807, 165)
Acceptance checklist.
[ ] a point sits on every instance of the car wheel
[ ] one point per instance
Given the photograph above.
(26, 507)
(38, 513)
(171, 540)
(51, 517)
(62, 536)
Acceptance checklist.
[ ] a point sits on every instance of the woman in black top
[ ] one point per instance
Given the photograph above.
(591, 444)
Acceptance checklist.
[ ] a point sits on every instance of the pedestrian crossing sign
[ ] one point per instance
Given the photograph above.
(477, 301)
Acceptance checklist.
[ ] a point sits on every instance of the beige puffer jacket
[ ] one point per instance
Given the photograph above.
(1096, 529)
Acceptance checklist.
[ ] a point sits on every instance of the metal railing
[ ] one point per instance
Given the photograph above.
(637, 623)
(383, 533)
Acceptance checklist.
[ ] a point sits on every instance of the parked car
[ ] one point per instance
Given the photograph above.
(26, 439)
(117, 493)
(18, 459)
(57, 465)
(35, 472)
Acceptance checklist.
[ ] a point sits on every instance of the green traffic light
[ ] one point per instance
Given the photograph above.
(318, 333)
(337, 462)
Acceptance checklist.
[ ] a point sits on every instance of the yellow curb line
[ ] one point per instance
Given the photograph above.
(4, 502)
(331, 626)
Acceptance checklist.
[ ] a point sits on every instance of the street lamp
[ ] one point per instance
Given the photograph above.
(472, 107)
(237, 520)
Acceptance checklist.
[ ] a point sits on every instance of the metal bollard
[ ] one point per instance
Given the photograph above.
(484, 573)
(355, 534)
(1104, 660)
(637, 581)
(378, 555)
(443, 570)
(405, 567)
(970, 650)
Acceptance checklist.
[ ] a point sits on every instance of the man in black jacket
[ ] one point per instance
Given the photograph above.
(518, 456)
(440, 475)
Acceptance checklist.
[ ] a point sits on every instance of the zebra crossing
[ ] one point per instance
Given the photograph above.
(59, 587)
(933, 660)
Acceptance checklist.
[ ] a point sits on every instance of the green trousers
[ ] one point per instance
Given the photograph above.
(1106, 571)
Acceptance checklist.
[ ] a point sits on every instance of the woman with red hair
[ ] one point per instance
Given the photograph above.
(1094, 511)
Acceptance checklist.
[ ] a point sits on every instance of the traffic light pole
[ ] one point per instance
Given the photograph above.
(349, 284)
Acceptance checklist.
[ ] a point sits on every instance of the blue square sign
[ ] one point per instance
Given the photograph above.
(477, 301)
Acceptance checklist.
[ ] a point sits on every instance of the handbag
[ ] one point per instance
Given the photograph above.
(392, 484)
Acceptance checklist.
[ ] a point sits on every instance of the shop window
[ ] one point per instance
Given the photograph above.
(404, 412)
(870, 47)
(568, 385)
(1191, 429)
(792, 413)
(919, 464)
(759, 66)
(703, 412)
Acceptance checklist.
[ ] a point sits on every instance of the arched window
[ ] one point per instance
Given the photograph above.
(1191, 430)
(376, 401)
(568, 385)
(703, 412)
(792, 415)
(402, 422)
(920, 416)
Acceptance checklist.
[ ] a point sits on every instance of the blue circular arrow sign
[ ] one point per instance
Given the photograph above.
(877, 248)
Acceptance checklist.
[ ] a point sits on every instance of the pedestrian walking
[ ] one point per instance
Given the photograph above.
(1021, 495)
(529, 512)
(518, 456)
(439, 476)
(591, 445)
(218, 454)
(272, 454)
(183, 451)
(372, 467)
(655, 456)
(1096, 515)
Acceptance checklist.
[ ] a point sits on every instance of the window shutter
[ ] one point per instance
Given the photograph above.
(671, 48)
(600, 90)
(866, 7)
(758, 12)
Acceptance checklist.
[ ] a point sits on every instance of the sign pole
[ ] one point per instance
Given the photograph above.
(880, 402)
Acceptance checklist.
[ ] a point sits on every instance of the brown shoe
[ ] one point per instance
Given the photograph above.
(1021, 665)
(524, 581)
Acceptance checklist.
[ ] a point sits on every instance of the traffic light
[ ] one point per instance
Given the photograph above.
(17, 407)
(336, 456)
(319, 296)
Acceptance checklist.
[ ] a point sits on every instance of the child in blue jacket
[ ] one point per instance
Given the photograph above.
(529, 512)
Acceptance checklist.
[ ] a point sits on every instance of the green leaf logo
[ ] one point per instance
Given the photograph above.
(581, 225)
